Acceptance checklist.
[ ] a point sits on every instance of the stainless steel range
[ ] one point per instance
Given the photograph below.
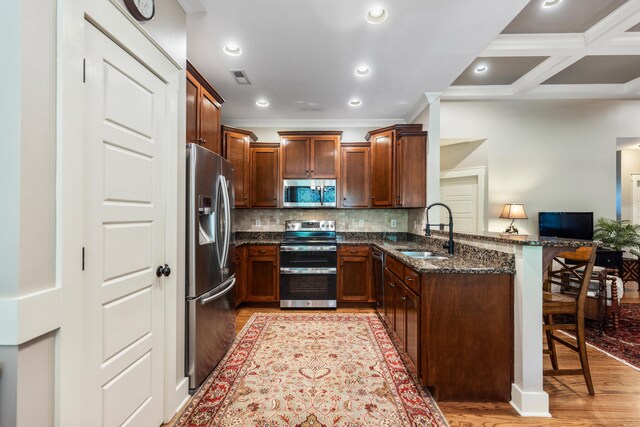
(308, 263)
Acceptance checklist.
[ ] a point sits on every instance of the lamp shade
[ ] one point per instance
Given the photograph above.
(513, 211)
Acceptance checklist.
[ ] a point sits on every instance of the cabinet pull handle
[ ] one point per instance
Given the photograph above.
(263, 251)
(353, 251)
(403, 298)
(408, 279)
(392, 285)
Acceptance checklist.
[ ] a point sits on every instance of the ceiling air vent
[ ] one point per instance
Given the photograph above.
(240, 76)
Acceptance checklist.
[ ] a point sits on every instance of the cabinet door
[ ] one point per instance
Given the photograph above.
(209, 123)
(400, 315)
(295, 157)
(238, 154)
(412, 330)
(192, 109)
(411, 171)
(240, 275)
(324, 157)
(264, 177)
(382, 170)
(389, 299)
(262, 279)
(354, 280)
(355, 177)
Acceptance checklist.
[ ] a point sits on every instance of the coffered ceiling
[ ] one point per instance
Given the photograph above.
(591, 50)
(300, 56)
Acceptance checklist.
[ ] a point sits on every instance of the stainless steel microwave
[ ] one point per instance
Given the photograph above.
(309, 193)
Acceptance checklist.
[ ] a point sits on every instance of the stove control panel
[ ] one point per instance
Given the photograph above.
(299, 225)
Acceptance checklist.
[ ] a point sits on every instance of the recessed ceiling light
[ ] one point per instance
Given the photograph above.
(481, 69)
(362, 71)
(550, 3)
(355, 102)
(376, 15)
(262, 103)
(232, 49)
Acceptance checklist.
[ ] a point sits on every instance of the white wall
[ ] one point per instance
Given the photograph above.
(35, 36)
(629, 164)
(270, 134)
(549, 155)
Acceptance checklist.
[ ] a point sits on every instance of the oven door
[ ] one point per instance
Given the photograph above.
(308, 256)
(308, 287)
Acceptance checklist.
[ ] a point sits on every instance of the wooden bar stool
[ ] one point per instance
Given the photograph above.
(565, 293)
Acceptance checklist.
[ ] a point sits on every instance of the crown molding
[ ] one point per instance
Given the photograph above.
(312, 124)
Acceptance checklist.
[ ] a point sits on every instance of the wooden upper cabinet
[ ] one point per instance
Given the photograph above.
(382, 170)
(295, 157)
(236, 147)
(264, 175)
(310, 154)
(354, 173)
(193, 101)
(324, 159)
(203, 111)
(411, 169)
(398, 166)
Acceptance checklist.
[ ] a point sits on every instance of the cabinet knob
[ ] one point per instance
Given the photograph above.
(344, 198)
(392, 285)
(311, 170)
(373, 197)
(403, 298)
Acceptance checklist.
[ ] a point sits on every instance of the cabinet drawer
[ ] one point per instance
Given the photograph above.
(412, 280)
(354, 250)
(262, 250)
(395, 266)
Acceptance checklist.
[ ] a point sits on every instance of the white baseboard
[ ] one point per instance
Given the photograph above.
(530, 403)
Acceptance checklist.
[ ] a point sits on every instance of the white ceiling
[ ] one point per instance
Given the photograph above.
(300, 55)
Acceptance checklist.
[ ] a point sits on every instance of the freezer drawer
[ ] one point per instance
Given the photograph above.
(211, 330)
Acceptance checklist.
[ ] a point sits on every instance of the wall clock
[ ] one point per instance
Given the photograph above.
(142, 10)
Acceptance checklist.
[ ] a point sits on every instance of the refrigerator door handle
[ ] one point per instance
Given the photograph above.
(227, 217)
(221, 240)
(210, 298)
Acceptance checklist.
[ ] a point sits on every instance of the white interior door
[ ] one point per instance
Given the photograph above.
(461, 195)
(635, 192)
(124, 237)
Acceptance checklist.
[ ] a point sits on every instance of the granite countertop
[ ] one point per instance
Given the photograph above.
(518, 239)
(468, 259)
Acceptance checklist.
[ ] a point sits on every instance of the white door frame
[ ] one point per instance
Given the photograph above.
(634, 196)
(113, 20)
(478, 172)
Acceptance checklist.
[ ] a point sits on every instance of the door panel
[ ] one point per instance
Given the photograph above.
(382, 170)
(238, 154)
(461, 195)
(264, 177)
(324, 157)
(412, 341)
(192, 109)
(124, 233)
(354, 283)
(295, 157)
(209, 123)
(355, 177)
(411, 172)
(262, 281)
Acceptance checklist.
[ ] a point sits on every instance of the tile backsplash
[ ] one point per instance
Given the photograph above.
(373, 220)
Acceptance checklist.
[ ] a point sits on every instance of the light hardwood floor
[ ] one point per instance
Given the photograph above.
(617, 386)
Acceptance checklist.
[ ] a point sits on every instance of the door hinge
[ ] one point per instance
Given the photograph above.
(83, 258)
(84, 70)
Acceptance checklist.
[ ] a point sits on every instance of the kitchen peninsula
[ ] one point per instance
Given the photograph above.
(489, 290)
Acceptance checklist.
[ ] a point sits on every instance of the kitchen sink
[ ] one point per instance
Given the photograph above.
(422, 255)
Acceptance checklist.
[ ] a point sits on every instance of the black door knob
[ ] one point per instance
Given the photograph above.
(166, 271)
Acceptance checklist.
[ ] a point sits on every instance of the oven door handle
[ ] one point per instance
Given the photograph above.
(301, 248)
(294, 270)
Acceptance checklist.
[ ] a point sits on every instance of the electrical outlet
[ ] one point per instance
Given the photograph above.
(393, 223)
(361, 223)
(258, 223)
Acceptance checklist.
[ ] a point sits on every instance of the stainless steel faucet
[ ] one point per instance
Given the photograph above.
(449, 244)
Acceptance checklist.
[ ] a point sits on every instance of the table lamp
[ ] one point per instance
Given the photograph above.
(513, 211)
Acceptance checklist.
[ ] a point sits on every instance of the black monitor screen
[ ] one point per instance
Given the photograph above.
(568, 225)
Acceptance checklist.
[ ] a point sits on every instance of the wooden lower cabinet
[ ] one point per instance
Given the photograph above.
(241, 274)
(354, 274)
(457, 330)
(262, 274)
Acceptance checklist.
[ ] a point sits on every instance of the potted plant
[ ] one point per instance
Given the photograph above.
(617, 235)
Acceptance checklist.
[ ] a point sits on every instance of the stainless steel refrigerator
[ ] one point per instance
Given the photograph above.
(210, 311)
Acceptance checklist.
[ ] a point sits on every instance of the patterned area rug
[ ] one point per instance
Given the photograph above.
(623, 343)
(312, 370)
